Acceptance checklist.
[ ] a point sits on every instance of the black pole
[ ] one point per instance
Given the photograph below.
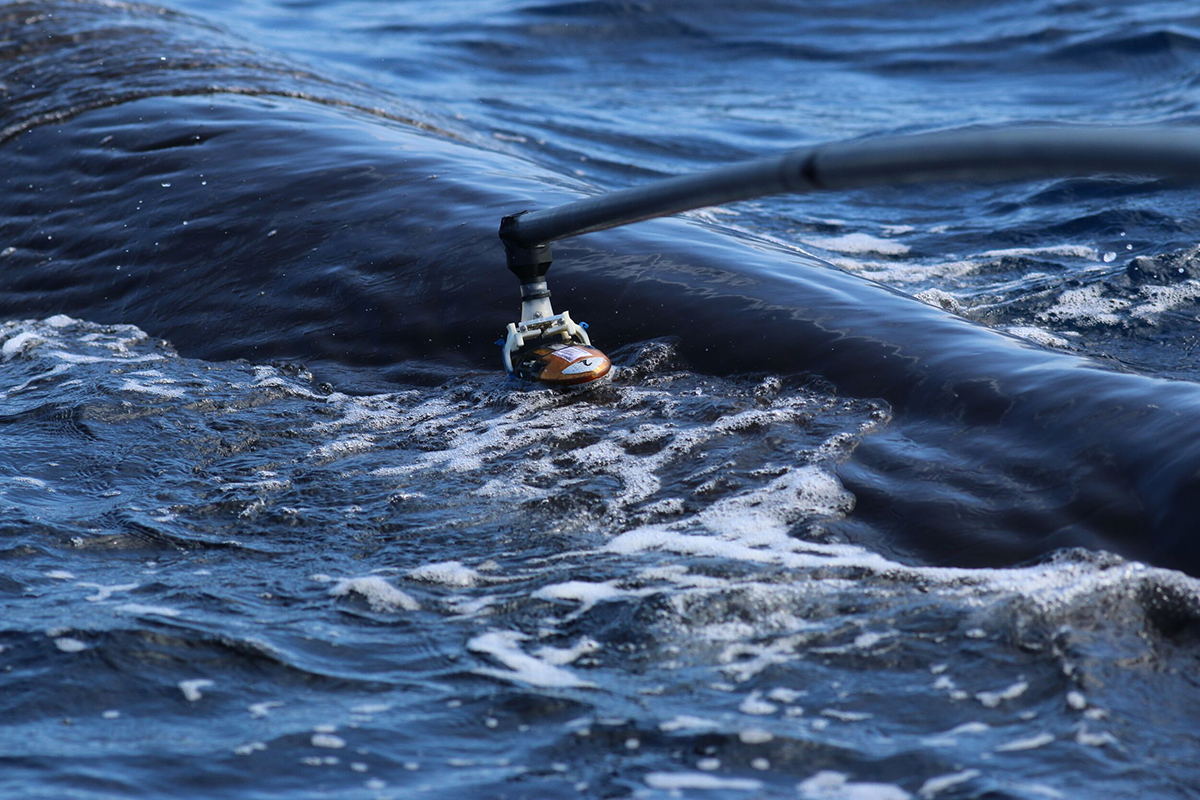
(1009, 153)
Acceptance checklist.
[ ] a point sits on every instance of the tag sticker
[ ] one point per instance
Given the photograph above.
(572, 353)
(580, 367)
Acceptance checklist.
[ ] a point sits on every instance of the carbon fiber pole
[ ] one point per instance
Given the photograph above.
(994, 154)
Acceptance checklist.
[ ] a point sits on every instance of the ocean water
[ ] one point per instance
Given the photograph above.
(893, 493)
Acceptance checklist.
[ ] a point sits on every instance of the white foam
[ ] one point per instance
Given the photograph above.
(270, 377)
(561, 656)
(104, 592)
(328, 740)
(138, 609)
(1086, 306)
(1070, 250)
(1027, 743)
(504, 646)
(829, 785)
(60, 575)
(678, 781)
(782, 694)
(784, 550)
(81, 358)
(1037, 335)
(38, 482)
(70, 645)
(191, 688)
(950, 737)
(687, 722)
(941, 783)
(1038, 789)
(446, 573)
(341, 448)
(260, 710)
(586, 593)
(940, 299)
(151, 387)
(764, 516)
(858, 243)
(379, 594)
(845, 716)
(472, 606)
(777, 542)
(906, 272)
(865, 641)
(742, 659)
(756, 705)
(26, 340)
(1161, 299)
(994, 699)
(264, 485)
(1085, 737)
(755, 736)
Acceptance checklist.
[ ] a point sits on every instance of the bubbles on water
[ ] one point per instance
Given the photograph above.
(1026, 743)
(830, 785)
(1086, 306)
(260, 710)
(328, 741)
(656, 562)
(1075, 296)
(677, 781)
(994, 699)
(192, 688)
(859, 243)
(379, 594)
(68, 644)
(447, 573)
(519, 666)
(941, 783)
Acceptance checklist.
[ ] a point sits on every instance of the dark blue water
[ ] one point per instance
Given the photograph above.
(893, 494)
